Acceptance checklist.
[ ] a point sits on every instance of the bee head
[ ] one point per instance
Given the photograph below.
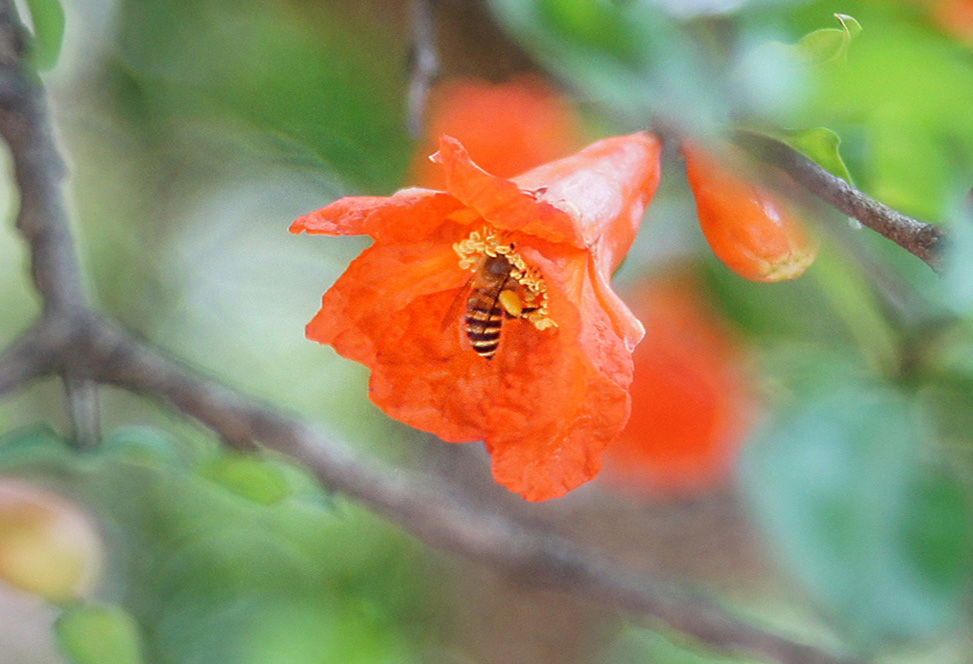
(496, 266)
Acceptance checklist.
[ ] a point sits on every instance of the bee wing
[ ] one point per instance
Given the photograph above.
(457, 309)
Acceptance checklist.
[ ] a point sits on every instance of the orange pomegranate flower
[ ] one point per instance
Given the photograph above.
(754, 232)
(692, 402)
(506, 127)
(553, 391)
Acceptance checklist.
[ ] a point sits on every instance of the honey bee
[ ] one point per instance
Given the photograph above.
(503, 285)
(493, 295)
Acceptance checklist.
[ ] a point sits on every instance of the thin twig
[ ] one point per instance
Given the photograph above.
(82, 396)
(425, 64)
(919, 238)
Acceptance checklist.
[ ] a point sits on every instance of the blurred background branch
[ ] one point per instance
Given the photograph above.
(425, 64)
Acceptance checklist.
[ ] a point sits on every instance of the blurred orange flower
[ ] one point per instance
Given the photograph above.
(691, 400)
(956, 17)
(507, 128)
(554, 392)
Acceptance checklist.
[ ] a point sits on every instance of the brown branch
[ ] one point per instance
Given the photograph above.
(918, 238)
(38, 171)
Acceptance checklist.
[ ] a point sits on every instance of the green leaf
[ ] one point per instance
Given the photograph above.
(47, 16)
(837, 485)
(98, 634)
(828, 44)
(819, 144)
(249, 477)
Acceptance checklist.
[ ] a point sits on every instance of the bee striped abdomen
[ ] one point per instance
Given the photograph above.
(483, 322)
(503, 285)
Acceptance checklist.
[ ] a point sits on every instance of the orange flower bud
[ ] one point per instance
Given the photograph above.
(47, 545)
(692, 402)
(754, 232)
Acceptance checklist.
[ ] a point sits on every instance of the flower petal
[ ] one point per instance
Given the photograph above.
(567, 401)
(607, 187)
(546, 462)
(428, 376)
(501, 202)
(361, 306)
(626, 326)
(546, 405)
(410, 214)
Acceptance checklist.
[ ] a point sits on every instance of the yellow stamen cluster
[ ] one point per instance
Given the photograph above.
(473, 249)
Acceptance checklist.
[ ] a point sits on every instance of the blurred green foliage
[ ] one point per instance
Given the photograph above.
(215, 574)
(841, 478)
(639, 645)
(630, 57)
(881, 541)
(98, 634)
(339, 106)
